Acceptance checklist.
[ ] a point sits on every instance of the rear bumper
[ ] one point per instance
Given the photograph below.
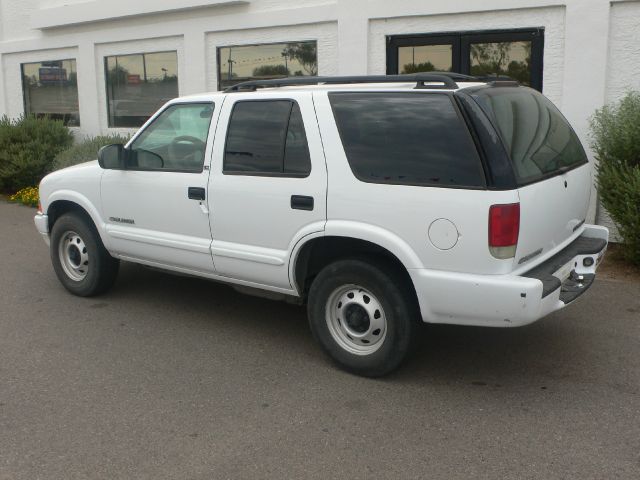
(42, 225)
(512, 300)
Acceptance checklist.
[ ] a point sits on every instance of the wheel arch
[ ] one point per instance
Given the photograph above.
(60, 203)
(315, 252)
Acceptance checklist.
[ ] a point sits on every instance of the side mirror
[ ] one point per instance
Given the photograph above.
(112, 157)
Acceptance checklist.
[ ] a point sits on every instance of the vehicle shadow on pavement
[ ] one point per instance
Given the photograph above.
(445, 354)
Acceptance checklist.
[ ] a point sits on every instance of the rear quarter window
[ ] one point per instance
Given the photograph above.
(538, 139)
(406, 139)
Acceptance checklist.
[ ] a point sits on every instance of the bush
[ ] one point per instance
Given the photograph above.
(27, 148)
(85, 150)
(27, 196)
(615, 131)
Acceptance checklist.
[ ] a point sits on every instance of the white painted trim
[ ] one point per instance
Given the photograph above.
(99, 11)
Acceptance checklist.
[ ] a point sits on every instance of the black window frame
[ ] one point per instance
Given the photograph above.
(155, 117)
(474, 142)
(105, 63)
(282, 174)
(461, 45)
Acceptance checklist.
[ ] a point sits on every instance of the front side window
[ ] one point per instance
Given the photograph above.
(267, 137)
(175, 141)
(406, 139)
(538, 139)
(139, 84)
(274, 60)
(51, 89)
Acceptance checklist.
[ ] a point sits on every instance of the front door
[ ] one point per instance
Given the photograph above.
(268, 185)
(155, 209)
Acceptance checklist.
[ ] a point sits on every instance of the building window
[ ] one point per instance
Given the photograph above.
(274, 60)
(138, 84)
(516, 54)
(51, 89)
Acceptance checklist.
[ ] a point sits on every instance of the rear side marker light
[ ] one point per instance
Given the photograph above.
(504, 228)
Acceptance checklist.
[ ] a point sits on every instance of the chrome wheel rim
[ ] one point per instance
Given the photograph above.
(356, 319)
(73, 255)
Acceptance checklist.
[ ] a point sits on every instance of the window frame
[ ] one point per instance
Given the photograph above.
(24, 95)
(282, 174)
(461, 42)
(152, 120)
(463, 121)
(265, 44)
(106, 81)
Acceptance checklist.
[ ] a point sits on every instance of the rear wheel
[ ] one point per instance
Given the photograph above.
(364, 315)
(79, 258)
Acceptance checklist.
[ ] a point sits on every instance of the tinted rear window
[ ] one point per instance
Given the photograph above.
(537, 137)
(407, 139)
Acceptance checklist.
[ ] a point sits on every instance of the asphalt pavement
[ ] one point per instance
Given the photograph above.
(181, 378)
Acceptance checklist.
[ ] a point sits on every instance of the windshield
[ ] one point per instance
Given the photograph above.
(538, 139)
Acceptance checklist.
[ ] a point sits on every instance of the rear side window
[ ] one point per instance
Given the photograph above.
(538, 139)
(406, 139)
(267, 138)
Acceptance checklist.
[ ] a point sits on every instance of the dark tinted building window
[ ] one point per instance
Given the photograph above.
(139, 84)
(271, 60)
(537, 137)
(406, 138)
(267, 137)
(51, 89)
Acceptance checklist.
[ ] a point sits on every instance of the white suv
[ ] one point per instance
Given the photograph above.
(378, 201)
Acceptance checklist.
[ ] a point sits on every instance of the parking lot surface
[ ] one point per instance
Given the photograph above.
(174, 377)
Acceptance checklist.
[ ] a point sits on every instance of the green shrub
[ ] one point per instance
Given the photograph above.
(85, 150)
(27, 148)
(615, 131)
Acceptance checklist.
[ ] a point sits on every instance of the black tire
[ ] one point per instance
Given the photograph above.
(101, 268)
(390, 289)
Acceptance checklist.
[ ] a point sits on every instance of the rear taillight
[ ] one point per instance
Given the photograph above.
(504, 226)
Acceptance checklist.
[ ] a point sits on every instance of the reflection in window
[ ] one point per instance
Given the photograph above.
(425, 58)
(176, 140)
(137, 85)
(537, 137)
(51, 89)
(512, 59)
(406, 139)
(267, 137)
(275, 60)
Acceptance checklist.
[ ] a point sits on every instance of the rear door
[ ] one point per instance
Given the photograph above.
(268, 185)
(551, 168)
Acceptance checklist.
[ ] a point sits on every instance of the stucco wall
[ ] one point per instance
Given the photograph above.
(591, 47)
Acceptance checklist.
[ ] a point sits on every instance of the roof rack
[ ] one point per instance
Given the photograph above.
(423, 81)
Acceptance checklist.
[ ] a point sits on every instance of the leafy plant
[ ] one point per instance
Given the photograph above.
(615, 132)
(28, 196)
(27, 148)
(85, 150)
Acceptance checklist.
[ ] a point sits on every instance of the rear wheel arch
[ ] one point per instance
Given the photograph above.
(318, 252)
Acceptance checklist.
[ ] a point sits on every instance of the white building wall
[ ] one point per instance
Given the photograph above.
(591, 47)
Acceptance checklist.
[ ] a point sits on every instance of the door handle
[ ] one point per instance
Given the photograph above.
(301, 202)
(196, 193)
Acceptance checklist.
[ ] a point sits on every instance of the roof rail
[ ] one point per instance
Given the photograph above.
(423, 80)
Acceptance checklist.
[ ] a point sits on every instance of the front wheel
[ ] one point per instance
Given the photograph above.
(79, 258)
(364, 315)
